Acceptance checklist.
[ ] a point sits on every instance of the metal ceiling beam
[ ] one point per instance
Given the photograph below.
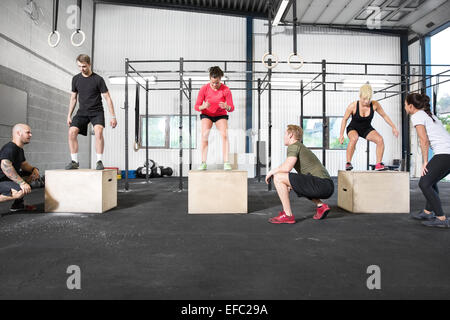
(306, 10)
(208, 7)
(321, 14)
(340, 11)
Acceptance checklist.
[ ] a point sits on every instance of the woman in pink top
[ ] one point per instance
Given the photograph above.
(214, 101)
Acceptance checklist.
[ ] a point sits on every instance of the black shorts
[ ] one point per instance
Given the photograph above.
(311, 187)
(362, 131)
(81, 121)
(213, 119)
(6, 186)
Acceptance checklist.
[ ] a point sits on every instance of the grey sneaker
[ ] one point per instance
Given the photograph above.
(437, 223)
(99, 166)
(72, 165)
(421, 215)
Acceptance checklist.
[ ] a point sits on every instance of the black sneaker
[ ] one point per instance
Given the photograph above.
(437, 223)
(99, 166)
(19, 205)
(421, 215)
(72, 165)
(348, 166)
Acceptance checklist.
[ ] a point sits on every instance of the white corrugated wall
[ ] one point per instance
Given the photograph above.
(335, 46)
(144, 33)
(414, 53)
(152, 34)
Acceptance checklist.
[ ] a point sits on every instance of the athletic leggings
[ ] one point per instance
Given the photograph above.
(438, 168)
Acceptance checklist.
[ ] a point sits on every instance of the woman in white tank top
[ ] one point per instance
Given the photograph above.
(432, 134)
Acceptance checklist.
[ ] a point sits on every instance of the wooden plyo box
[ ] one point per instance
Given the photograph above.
(81, 190)
(217, 191)
(373, 191)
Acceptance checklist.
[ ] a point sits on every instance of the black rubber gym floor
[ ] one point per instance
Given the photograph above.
(150, 248)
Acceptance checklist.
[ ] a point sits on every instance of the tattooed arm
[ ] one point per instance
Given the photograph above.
(11, 173)
(34, 172)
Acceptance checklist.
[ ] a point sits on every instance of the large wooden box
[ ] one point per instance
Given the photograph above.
(82, 190)
(217, 191)
(373, 191)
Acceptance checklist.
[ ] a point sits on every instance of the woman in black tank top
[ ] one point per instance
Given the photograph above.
(362, 112)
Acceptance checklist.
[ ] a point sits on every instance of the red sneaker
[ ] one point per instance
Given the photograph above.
(282, 218)
(380, 167)
(322, 212)
(279, 215)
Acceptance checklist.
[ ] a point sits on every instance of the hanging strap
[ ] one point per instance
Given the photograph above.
(79, 15)
(295, 54)
(294, 12)
(54, 26)
(55, 15)
(136, 119)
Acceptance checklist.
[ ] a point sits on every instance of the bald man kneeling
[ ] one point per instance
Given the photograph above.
(15, 172)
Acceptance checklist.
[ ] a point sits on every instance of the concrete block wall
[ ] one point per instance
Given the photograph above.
(28, 63)
(46, 115)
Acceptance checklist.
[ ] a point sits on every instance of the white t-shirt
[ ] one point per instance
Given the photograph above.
(438, 136)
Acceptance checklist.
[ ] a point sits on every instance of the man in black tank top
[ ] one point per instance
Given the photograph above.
(362, 112)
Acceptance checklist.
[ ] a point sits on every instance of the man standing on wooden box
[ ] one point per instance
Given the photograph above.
(15, 172)
(312, 180)
(89, 88)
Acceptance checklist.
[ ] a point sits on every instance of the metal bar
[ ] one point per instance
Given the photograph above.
(284, 72)
(368, 154)
(405, 91)
(249, 84)
(258, 158)
(269, 73)
(146, 133)
(408, 133)
(282, 61)
(181, 127)
(127, 186)
(324, 112)
(190, 124)
(273, 89)
(301, 106)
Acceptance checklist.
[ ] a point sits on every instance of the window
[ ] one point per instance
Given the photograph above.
(157, 132)
(164, 132)
(175, 132)
(335, 130)
(313, 132)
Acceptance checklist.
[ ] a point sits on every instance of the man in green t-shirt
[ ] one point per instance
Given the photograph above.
(311, 180)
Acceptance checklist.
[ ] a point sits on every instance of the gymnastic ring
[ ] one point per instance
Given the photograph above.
(136, 146)
(58, 38)
(290, 63)
(83, 38)
(265, 64)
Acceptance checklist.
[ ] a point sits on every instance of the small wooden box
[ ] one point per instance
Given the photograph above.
(217, 191)
(82, 190)
(373, 191)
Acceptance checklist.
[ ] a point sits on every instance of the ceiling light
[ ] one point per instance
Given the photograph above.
(280, 12)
